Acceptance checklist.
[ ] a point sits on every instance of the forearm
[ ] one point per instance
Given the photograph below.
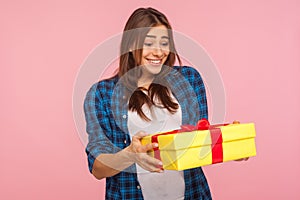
(107, 165)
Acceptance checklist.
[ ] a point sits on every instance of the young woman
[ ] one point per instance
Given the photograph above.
(148, 95)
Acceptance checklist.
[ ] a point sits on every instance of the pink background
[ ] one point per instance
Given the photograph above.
(255, 44)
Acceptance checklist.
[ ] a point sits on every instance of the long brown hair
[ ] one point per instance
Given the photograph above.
(135, 31)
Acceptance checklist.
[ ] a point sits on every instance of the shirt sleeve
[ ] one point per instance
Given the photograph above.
(200, 91)
(98, 126)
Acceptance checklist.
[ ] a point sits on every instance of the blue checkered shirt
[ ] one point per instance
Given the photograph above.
(106, 112)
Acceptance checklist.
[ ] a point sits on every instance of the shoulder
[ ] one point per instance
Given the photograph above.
(188, 72)
(102, 88)
(105, 85)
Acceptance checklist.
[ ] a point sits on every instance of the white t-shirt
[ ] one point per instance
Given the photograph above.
(170, 184)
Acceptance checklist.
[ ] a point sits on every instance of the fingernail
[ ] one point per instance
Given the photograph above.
(160, 163)
(155, 144)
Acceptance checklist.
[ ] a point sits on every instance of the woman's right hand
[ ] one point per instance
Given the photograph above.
(138, 153)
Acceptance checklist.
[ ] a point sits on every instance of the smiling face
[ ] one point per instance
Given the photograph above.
(155, 51)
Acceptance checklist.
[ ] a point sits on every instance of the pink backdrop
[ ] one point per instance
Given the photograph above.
(255, 44)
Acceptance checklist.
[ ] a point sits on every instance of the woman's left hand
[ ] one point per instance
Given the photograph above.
(241, 159)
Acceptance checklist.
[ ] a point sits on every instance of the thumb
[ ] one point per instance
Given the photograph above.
(139, 135)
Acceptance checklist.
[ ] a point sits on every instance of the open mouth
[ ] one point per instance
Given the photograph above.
(154, 61)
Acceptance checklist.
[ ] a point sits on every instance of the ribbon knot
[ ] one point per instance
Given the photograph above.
(202, 124)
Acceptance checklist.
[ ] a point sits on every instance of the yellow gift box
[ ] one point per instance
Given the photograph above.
(205, 144)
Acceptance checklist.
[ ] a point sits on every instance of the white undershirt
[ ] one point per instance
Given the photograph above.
(168, 185)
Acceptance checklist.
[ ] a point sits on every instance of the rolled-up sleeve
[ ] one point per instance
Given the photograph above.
(98, 125)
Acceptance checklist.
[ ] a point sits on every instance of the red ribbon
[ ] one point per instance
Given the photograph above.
(203, 124)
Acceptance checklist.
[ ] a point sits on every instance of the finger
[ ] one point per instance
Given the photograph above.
(146, 148)
(236, 122)
(148, 160)
(242, 159)
(149, 147)
(158, 170)
(139, 135)
(153, 162)
(149, 163)
(151, 168)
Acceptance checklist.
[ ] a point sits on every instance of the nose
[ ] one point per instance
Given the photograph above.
(157, 51)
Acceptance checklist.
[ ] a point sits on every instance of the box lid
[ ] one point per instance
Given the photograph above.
(198, 138)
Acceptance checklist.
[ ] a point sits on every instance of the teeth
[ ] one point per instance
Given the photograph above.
(155, 61)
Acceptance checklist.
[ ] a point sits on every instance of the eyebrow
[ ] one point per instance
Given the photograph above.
(153, 36)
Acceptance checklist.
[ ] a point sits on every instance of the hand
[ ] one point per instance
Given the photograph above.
(140, 155)
(241, 159)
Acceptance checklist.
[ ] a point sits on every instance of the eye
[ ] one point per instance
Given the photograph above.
(165, 44)
(148, 44)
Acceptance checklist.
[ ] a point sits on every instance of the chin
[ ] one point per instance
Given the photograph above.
(153, 69)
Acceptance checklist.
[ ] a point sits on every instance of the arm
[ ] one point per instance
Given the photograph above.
(107, 165)
(105, 159)
(201, 95)
(199, 88)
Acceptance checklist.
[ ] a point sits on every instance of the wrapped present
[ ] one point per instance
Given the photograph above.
(204, 144)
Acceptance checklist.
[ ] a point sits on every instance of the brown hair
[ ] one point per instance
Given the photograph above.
(135, 31)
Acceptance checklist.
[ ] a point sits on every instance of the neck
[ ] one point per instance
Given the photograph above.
(145, 81)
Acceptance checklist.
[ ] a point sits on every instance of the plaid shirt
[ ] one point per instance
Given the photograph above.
(106, 112)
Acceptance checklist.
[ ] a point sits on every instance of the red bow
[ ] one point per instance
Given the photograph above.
(202, 124)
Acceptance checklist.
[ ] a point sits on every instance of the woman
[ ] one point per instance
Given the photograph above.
(147, 95)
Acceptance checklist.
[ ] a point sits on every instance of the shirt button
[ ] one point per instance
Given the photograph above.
(125, 141)
(124, 97)
(124, 116)
(138, 187)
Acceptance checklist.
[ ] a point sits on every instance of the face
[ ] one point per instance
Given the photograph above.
(155, 50)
